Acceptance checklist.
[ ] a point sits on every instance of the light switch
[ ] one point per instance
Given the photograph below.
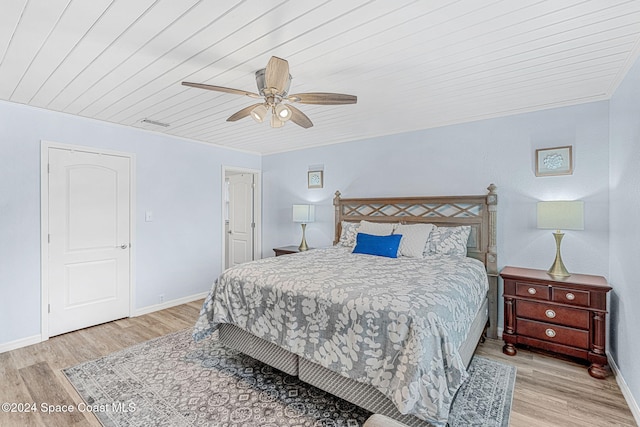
(148, 216)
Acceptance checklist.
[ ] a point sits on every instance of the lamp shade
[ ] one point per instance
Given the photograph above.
(561, 215)
(283, 112)
(304, 213)
(259, 113)
(275, 121)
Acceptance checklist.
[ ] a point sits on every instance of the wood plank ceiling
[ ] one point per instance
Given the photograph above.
(412, 64)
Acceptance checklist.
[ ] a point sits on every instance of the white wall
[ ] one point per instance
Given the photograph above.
(625, 229)
(461, 159)
(178, 254)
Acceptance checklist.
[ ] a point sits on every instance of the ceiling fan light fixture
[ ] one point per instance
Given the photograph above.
(275, 121)
(259, 113)
(283, 112)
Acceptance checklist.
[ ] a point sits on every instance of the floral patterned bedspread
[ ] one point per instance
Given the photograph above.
(393, 323)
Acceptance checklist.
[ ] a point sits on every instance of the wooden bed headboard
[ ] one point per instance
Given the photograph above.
(444, 211)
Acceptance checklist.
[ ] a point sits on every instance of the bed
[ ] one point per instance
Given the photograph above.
(362, 327)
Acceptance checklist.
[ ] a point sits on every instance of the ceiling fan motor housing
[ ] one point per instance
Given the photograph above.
(260, 82)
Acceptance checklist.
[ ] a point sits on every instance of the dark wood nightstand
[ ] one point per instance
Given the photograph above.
(285, 250)
(566, 316)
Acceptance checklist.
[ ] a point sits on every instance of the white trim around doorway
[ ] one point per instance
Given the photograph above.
(257, 206)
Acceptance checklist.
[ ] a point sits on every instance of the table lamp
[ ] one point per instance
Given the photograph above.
(560, 215)
(304, 214)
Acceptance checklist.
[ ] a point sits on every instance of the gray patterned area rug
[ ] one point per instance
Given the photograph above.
(172, 381)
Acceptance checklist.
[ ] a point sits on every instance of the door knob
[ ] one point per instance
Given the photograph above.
(124, 246)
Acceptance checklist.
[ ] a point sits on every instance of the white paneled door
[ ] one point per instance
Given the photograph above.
(241, 218)
(89, 239)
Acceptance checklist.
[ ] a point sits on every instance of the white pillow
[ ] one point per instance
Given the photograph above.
(449, 240)
(348, 233)
(376, 228)
(414, 239)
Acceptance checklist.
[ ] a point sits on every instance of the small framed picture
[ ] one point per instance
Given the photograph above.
(554, 161)
(314, 179)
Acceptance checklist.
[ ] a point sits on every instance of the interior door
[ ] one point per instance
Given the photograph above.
(89, 235)
(241, 221)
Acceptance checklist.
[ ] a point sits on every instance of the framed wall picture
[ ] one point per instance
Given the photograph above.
(314, 179)
(554, 161)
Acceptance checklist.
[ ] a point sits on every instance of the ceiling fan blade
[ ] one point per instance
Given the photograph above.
(277, 74)
(222, 89)
(299, 118)
(322, 98)
(242, 113)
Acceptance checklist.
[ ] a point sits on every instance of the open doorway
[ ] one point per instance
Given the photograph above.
(241, 216)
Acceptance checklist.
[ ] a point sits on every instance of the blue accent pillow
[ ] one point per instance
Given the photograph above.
(386, 246)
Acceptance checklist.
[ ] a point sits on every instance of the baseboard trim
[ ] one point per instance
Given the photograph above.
(168, 304)
(499, 331)
(35, 339)
(624, 388)
(22, 342)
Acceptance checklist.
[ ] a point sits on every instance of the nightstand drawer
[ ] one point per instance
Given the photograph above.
(571, 296)
(532, 290)
(553, 333)
(565, 316)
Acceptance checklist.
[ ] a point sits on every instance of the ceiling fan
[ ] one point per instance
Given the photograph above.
(273, 85)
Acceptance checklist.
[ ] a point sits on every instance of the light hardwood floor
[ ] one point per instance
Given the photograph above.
(549, 391)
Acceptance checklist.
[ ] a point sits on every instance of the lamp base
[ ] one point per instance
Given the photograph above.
(558, 269)
(303, 245)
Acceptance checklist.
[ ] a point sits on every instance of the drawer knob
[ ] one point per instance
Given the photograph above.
(570, 296)
(550, 333)
(550, 314)
(532, 291)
